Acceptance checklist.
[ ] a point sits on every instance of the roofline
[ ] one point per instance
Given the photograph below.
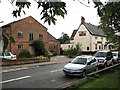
(90, 31)
(21, 20)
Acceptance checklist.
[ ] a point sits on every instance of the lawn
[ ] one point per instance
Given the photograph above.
(108, 80)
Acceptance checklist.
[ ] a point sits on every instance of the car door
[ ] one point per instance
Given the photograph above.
(93, 64)
(89, 66)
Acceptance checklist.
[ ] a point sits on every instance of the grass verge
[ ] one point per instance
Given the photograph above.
(110, 79)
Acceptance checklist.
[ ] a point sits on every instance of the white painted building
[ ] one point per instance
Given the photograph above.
(89, 36)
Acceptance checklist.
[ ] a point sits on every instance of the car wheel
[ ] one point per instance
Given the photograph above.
(84, 73)
(105, 65)
(111, 63)
(96, 69)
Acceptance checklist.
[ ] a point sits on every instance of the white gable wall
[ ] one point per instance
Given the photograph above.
(83, 40)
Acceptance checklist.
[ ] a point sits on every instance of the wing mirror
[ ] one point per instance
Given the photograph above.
(69, 61)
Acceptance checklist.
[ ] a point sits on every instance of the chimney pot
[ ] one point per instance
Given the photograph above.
(82, 20)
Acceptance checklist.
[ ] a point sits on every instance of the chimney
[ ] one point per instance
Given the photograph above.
(82, 20)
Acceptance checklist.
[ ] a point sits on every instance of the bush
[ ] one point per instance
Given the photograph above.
(39, 47)
(73, 51)
(40, 57)
(24, 54)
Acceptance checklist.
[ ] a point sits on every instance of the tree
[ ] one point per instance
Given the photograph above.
(49, 10)
(64, 38)
(39, 47)
(6, 39)
(110, 21)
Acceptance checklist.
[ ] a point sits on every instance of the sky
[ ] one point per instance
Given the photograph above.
(70, 22)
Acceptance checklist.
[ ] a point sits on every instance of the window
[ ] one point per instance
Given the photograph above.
(30, 36)
(40, 36)
(101, 38)
(7, 54)
(99, 47)
(95, 38)
(72, 46)
(87, 48)
(55, 47)
(96, 46)
(102, 46)
(20, 34)
(20, 47)
(68, 46)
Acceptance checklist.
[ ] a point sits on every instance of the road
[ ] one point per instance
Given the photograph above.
(48, 76)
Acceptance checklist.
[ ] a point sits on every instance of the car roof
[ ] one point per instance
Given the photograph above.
(103, 51)
(115, 52)
(84, 56)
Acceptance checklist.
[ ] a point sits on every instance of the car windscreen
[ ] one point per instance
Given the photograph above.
(100, 54)
(115, 54)
(79, 61)
(7, 54)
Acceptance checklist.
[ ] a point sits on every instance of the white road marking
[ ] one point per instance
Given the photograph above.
(56, 70)
(15, 79)
(53, 80)
(17, 69)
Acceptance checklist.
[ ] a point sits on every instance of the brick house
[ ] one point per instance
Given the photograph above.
(25, 31)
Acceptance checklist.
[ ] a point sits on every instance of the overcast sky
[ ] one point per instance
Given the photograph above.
(71, 21)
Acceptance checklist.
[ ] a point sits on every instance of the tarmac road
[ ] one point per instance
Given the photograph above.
(48, 76)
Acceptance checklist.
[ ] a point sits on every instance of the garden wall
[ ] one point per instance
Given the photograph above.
(23, 61)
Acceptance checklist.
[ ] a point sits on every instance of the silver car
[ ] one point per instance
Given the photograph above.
(105, 58)
(80, 66)
(116, 56)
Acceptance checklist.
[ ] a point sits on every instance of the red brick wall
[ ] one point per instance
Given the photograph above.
(29, 25)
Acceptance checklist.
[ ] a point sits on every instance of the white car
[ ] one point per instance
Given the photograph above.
(80, 66)
(8, 55)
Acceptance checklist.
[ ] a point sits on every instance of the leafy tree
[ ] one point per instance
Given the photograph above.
(110, 21)
(39, 47)
(64, 38)
(6, 39)
(49, 10)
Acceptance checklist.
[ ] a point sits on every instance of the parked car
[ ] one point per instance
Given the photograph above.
(105, 58)
(81, 65)
(8, 55)
(116, 56)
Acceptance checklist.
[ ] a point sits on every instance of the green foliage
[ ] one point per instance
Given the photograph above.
(110, 20)
(40, 57)
(39, 47)
(24, 54)
(6, 38)
(73, 51)
(63, 38)
(49, 10)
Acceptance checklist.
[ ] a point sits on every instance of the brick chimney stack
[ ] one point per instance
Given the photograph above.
(82, 20)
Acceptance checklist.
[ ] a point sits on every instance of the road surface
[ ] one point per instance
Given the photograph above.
(48, 76)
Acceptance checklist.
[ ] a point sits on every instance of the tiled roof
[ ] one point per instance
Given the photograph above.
(94, 30)
(73, 34)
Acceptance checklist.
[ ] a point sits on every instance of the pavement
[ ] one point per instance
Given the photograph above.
(53, 60)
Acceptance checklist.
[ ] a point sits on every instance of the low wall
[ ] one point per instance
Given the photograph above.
(22, 61)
